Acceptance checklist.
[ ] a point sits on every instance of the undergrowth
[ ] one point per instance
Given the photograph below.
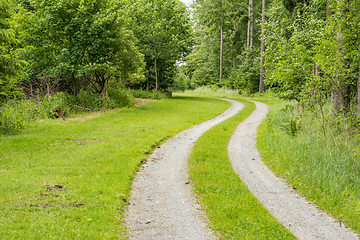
(322, 161)
(150, 94)
(15, 116)
(233, 211)
(213, 91)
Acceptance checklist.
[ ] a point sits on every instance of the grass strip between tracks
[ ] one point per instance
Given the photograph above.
(233, 211)
(71, 179)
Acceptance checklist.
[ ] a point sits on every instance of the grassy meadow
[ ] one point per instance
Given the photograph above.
(70, 179)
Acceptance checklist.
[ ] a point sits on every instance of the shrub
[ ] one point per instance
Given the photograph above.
(121, 97)
(150, 94)
(15, 115)
(11, 120)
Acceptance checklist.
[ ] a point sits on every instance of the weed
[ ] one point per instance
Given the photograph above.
(213, 91)
(150, 94)
(323, 167)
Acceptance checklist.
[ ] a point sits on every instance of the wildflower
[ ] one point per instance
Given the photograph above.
(31, 90)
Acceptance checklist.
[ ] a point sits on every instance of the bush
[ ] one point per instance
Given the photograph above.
(15, 115)
(121, 97)
(150, 94)
(320, 160)
(11, 120)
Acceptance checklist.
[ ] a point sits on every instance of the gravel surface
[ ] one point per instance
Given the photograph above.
(162, 205)
(291, 209)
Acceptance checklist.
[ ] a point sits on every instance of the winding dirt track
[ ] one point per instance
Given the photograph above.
(292, 210)
(162, 205)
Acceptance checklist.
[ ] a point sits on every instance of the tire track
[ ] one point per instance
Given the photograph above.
(162, 205)
(292, 210)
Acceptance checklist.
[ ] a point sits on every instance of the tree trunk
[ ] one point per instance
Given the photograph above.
(250, 37)
(221, 40)
(329, 12)
(74, 82)
(156, 74)
(262, 60)
(147, 80)
(104, 91)
(358, 93)
(341, 89)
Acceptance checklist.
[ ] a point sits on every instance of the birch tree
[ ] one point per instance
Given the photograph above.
(262, 49)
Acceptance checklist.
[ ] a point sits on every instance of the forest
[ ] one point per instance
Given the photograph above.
(88, 55)
(73, 135)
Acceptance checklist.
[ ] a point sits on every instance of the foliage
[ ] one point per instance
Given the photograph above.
(324, 168)
(240, 66)
(313, 53)
(150, 94)
(10, 65)
(94, 159)
(290, 59)
(211, 91)
(121, 97)
(246, 77)
(163, 29)
(16, 116)
(233, 211)
(181, 81)
(79, 40)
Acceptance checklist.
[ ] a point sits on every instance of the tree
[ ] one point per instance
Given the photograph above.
(211, 51)
(250, 36)
(262, 50)
(358, 93)
(222, 39)
(10, 66)
(85, 41)
(163, 29)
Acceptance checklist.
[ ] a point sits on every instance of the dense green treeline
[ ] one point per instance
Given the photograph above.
(306, 43)
(95, 46)
(91, 51)
(240, 65)
(78, 45)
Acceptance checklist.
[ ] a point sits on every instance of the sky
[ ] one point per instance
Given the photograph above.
(187, 2)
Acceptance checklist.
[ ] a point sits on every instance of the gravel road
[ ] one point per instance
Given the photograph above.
(293, 211)
(162, 205)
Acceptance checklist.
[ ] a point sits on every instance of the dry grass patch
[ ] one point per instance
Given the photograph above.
(141, 101)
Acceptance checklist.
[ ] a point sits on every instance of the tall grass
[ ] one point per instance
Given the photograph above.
(15, 116)
(212, 92)
(323, 164)
(150, 94)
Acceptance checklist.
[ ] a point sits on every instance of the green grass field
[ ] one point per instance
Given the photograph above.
(71, 179)
(233, 211)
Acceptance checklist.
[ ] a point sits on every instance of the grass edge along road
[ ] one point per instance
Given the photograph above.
(71, 179)
(323, 169)
(233, 211)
